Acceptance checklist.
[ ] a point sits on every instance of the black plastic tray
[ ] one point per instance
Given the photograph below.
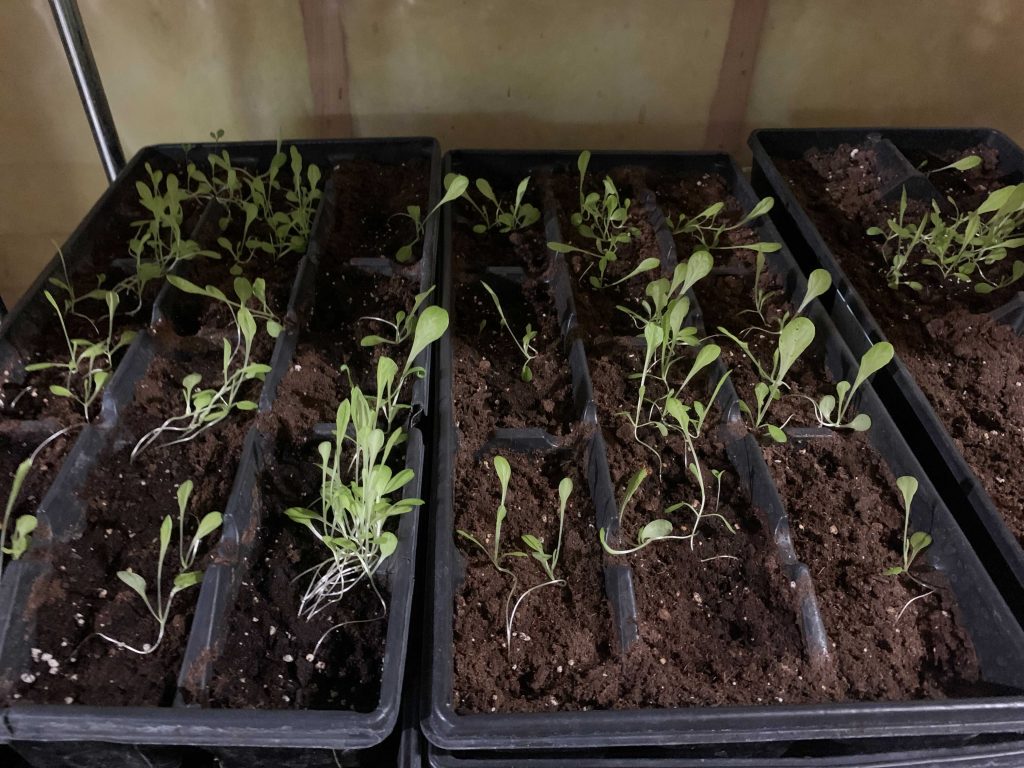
(137, 735)
(946, 465)
(999, 639)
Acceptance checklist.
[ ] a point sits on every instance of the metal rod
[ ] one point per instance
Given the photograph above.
(90, 87)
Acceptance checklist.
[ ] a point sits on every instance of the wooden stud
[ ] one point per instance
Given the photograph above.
(727, 116)
(324, 30)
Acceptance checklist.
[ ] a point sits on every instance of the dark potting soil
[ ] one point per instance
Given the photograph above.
(596, 309)
(562, 654)
(717, 622)
(488, 388)
(275, 659)
(970, 368)
(126, 502)
(846, 519)
(369, 195)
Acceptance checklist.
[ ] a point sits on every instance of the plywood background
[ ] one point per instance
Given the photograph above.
(662, 74)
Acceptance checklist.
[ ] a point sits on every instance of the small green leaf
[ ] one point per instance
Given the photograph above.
(818, 282)
(134, 581)
(776, 434)
(861, 423)
(387, 543)
(656, 529)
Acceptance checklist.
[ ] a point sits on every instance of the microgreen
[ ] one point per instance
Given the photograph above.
(913, 543)
(830, 410)
(661, 528)
(430, 326)
(524, 344)
(89, 363)
(454, 187)
(518, 216)
(403, 326)
(708, 229)
(188, 575)
(496, 556)
(959, 246)
(355, 505)
(963, 164)
(207, 407)
(604, 219)
(23, 526)
(548, 560)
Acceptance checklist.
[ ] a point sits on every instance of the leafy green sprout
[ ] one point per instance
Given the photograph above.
(661, 529)
(23, 526)
(430, 326)
(455, 186)
(830, 410)
(524, 344)
(518, 216)
(547, 560)
(90, 363)
(604, 219)
(355, 506)
(913, 543)
(960, 246)
(187, 576)
(794, 335)
(708, 229)
(403, 326)
(963, 164)
(207, 407)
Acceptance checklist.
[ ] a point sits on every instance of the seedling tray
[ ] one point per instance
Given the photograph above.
(998, 638)
(154, 735)
(910, 408)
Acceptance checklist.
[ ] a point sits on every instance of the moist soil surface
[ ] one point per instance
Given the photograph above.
(272, 658)
(846, 519)
(717, 625)
(970, 368)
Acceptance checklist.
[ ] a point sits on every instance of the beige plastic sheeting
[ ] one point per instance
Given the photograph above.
(532, 73)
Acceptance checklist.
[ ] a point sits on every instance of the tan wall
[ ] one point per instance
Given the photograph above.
(532, 73)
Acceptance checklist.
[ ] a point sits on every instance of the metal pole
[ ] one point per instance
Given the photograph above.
(90, 87)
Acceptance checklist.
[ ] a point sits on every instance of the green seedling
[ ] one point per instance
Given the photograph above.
(604, 219)
(830, 410)
(913, 543)
(206, 408)
(188, 575)
(402, 328)
(547, 560)
(357, 502)
(455, 186)
(708, 229)
(246, 292)
(90, 363)
(518, 216)
(430, 326)
(23, 526)
(497, 556)
(963, 164)
(525, 344)
(661, 528)
(961, 246)
(794, 338)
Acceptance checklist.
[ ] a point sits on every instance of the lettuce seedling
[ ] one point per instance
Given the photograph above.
(402, 328)
(356, 504)
(603, 218)
(188, 576)
(90, 363)
(518, 216)
(913, 543)
(960, 246)
(525, 344)
(454, 187)
(23, 526)
(707, 228)
(830, 410)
